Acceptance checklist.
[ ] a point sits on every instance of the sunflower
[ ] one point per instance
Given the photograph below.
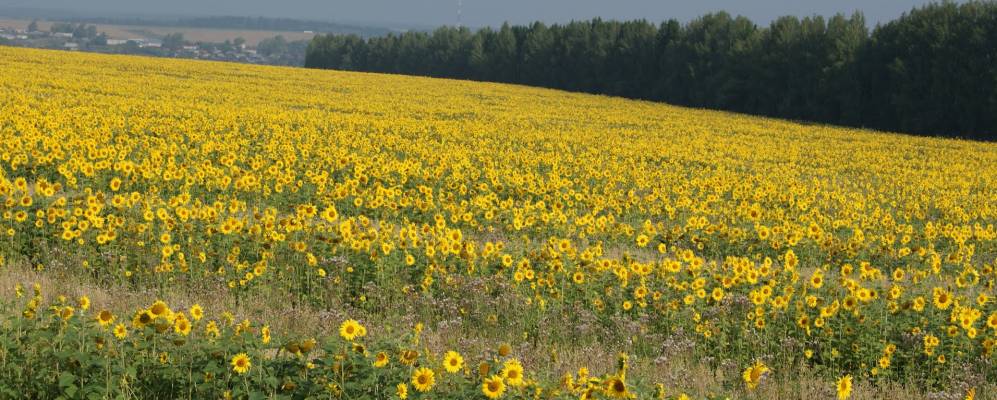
(423, 379)
(308, 345)
(181, 325)
(402, 390)
(753, 375)
(453, 362)
(66, 312)
(484, 368)
(512, 372)
(408, 357)
(120, 331)
(241, 363)
(351, 329)
(817, 280)
(330, 214)
(504, 349)
(381, 359)
(159, 309)
(105, 318)
(212, 329)
(942, 298)
(717, 294)
(493, 387)
(615, 387)
(844, 387)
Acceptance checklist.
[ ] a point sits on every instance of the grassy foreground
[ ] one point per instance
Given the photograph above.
(220, 230)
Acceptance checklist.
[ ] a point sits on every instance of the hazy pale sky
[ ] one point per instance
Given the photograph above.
(482, 12)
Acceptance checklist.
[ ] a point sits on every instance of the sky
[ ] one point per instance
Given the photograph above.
(477, 13)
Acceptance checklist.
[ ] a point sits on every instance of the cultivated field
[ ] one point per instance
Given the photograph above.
(252, 37)
(179, 229)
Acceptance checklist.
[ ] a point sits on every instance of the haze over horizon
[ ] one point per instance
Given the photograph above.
(476, 13)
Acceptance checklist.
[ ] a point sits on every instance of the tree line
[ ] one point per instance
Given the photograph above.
(79, 31)
(933, 71)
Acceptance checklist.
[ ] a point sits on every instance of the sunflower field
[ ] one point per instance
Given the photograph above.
(213, 230)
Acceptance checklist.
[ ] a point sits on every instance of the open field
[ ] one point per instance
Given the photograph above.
(253, 37)
(210, 230)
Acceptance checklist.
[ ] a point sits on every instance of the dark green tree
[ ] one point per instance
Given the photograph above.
(173, 41)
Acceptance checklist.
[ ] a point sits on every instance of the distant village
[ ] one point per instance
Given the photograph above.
(82, 37)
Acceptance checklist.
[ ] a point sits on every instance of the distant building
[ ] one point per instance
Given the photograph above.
(71, 46)
(117, 42)
(63, 34)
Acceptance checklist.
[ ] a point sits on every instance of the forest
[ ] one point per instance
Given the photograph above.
(932, 71)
